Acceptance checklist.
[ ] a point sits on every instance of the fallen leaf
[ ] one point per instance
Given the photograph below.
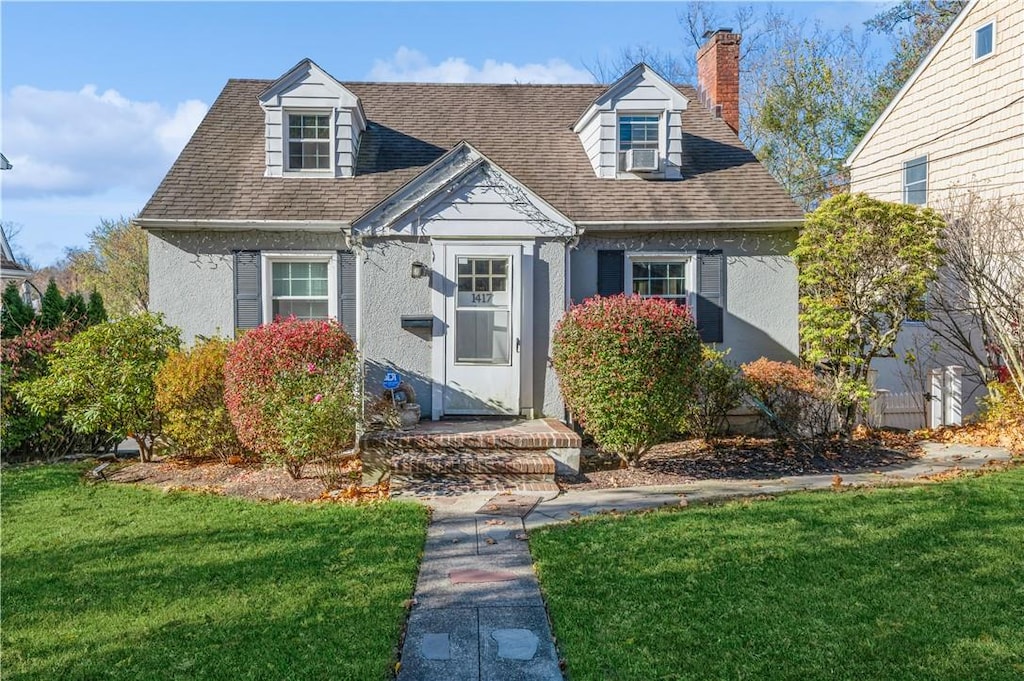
(494, 521)
(490, 541)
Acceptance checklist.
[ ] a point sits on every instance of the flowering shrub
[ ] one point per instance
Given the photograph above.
(719, 389)
(290, 390)
(626, 367)
(190, 399)
(102, 379)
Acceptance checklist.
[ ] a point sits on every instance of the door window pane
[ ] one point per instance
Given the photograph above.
(482, 337)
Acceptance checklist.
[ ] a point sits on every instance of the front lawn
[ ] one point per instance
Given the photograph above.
(105, 581)
(912, 583)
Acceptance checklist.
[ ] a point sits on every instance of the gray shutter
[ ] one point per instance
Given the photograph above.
(347, 291)
(710, 296)
(248, 300)
(611, 272)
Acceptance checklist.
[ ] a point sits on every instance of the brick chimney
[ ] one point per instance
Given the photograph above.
(718, 75)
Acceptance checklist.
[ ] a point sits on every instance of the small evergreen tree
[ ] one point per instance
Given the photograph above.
(51, 314)
(15, 314)
(96, 311)
(76, 312)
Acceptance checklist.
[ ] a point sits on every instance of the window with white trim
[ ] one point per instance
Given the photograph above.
(309, 141)
(984, 40)
(638, 131)
(668, 276)
(304, 285)
(915, 181)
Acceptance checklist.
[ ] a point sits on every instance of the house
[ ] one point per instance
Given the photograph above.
(449, 226)
(10, 269)
(956, 128)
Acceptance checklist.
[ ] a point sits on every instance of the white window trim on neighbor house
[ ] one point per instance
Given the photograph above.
(662, 148)
(974, 43)
(689, 262)
(268, 260)
(286, 140)
(909, 186)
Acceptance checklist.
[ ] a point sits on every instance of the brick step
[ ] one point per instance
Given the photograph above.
(458, 483)
(514, 464)
(537, 435)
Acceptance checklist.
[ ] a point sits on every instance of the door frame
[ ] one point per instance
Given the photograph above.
(441, 289)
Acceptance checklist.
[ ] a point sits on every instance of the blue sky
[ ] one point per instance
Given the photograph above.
(99, 98)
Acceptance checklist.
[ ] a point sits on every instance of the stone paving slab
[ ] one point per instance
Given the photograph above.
(425, 638)
(434, 588)
(510, 649)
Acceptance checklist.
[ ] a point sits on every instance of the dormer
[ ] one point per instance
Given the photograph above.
(635, 128)
(313, 124)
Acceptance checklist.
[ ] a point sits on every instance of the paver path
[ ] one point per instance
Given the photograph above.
(478, 613)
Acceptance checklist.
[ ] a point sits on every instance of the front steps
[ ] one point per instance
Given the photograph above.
(444, 458)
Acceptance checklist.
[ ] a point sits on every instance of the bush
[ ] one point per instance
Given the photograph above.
(102, 379)
(627, 367)
(290, 388)
(719, 390)
(16, 315)
(782, 389)
(1002, 406)
(190, 399)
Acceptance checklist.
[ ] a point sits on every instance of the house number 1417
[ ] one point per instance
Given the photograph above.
(483, 298)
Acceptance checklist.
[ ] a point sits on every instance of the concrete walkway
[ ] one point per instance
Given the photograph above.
(479, 615)
(478, 612)
(938, 459)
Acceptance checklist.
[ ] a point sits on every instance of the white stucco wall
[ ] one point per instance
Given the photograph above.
(760, 283)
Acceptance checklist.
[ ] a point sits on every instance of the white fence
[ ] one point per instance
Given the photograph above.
(941, 405)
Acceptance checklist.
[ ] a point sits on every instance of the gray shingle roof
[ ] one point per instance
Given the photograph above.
(525, 129)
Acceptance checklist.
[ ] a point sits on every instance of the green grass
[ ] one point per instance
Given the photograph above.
(112, 582)
(912, 583)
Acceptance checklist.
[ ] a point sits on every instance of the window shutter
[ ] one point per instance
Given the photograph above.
(710, 310)
(347, 291)
(611, 272)
(248, 299)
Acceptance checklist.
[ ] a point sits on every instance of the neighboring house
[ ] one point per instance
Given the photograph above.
(956, 126)
(449, 226)
(10, 269)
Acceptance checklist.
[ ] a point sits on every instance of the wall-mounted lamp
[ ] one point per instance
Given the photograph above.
(419, 270)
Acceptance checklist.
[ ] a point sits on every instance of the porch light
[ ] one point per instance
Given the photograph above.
(419, 270)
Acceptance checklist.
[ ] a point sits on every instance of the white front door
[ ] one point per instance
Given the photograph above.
(483, 317)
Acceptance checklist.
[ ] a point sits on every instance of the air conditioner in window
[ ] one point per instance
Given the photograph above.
(641, 160)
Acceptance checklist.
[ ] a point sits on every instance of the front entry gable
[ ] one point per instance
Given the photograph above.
(464, 194)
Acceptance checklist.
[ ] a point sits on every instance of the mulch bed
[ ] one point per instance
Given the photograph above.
(686, 461)
(240, 480)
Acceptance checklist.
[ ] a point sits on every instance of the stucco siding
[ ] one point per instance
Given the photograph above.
(191, 274)
(966, 116)
(387, 293)
(548, 306)
(760, 283)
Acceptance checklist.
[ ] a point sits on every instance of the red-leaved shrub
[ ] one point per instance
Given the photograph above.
(290, 390)
(626, 367)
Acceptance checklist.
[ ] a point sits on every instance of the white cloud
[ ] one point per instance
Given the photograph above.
(83, 143)
(409, 65)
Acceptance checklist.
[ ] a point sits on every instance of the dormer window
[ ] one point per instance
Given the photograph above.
(309, 142)
(637, 131)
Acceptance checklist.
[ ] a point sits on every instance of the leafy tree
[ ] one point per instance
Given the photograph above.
(16, 314)
(102, 379)
(96, 311)
(914, 27)
(53, 307)
(864, 268)
(76, 311)
(116, 265)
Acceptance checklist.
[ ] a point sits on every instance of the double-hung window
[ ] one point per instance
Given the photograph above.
(666, 276)
(309, 141)
(637, 131)
(915, 181)
(303, 285)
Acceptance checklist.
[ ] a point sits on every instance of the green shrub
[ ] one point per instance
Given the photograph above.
(190, 400)
(290, 388)
(626, 367)
(102, 379)
(719, 390)
(15, 314)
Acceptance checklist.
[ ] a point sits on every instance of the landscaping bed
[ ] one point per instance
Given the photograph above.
(896, 583)
(687, 461)
(119, 582)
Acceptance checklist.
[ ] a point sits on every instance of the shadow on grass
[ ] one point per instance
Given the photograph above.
(100, 581)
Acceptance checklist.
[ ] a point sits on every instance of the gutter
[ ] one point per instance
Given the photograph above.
(240, 225)
(687, 225)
